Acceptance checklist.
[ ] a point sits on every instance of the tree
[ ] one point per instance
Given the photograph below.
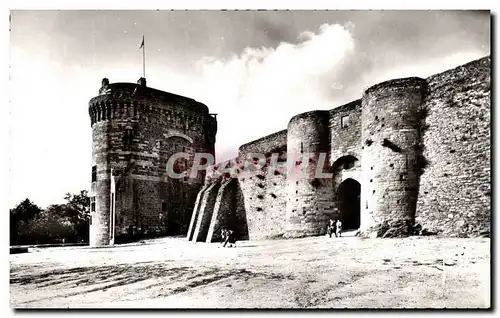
(20, 218)
(29, 224)
(52, 226)
(78, 211)
(78, 206)
(25, 211)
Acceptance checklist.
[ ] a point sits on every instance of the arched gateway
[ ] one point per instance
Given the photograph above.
(348, 196)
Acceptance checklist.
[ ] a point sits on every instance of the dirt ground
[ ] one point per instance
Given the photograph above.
(315, 272)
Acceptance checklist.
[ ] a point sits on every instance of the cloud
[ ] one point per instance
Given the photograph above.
(260, 89)
(274, 30)
(257, 91)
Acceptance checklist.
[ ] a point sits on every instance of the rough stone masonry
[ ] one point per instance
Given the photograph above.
(135, 130)
(410, 152)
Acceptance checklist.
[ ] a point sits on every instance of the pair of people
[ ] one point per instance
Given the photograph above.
(334, 227)
(227, 237)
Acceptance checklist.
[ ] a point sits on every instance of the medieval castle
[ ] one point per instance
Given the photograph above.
(411, 151)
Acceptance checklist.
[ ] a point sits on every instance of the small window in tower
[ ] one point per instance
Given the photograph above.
(92, 204)
(164, 206)
(344, 121)
(128, 136)
(94, 173)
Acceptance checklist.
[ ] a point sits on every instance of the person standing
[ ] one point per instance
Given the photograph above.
(230, 238)
(331, 228)
(222, 235)
(226, 237)
(338, 228)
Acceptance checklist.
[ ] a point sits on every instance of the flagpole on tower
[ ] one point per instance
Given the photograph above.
(143, 57)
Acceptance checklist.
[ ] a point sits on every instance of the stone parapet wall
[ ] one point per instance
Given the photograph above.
(455, 187)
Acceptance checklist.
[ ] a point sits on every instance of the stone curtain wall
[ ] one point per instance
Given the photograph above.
(263, 193)
(135, 131)
(345, 139)
(268, 144)
(345, 146)
(240, 217)
(455, 188)
(253, 203)
(419, 148)
(264, 205)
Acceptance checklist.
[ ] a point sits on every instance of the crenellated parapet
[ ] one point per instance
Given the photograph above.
(128, 101)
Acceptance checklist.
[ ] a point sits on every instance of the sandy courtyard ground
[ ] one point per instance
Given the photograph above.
(315, 272)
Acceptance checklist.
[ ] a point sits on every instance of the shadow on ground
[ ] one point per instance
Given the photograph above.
(102, 278)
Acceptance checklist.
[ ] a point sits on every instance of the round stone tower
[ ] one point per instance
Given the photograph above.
(390, 138)
(307, 138)
(135, 131)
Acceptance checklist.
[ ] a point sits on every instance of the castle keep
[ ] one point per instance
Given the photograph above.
(410, 151)
(135, 130)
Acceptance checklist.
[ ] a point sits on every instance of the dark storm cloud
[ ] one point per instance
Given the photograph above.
(273, 30)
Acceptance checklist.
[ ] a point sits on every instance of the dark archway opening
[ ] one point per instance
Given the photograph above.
(344, 163)
(348, 195)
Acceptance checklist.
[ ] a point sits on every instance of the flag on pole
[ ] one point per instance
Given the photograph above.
(142, 43)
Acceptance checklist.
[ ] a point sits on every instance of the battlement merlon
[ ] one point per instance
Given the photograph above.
(140, 93)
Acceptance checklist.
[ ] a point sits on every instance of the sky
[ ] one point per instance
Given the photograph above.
(254, 69)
